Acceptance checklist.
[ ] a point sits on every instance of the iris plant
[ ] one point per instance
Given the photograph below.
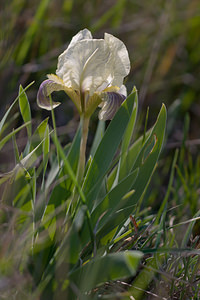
(91, 72)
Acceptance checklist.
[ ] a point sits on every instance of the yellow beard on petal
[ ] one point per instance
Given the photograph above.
(73, 95)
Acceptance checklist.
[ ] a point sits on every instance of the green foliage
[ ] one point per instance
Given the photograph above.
(25, 110)
(41, 188)
(41, 243)
(88, 253)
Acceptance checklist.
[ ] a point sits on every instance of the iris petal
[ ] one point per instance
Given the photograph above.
(119, 58)
(85, 66)
(111, 103)
(46, 88)
(90, 71)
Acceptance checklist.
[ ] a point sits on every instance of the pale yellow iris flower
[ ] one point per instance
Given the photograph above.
(91, 72)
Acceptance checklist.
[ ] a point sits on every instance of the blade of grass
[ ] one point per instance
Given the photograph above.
(10, 135)
(25, 110)
(22, 51)
(12, 105)
(171, 178)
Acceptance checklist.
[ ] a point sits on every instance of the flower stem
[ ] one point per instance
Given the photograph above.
(84, 135)
(54, 127)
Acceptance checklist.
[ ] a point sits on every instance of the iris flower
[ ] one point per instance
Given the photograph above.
(91, 72)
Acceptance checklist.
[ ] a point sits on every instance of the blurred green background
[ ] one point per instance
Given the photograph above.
(162, 37)
(163, 41)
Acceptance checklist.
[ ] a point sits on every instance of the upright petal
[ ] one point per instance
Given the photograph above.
(85, 65)
(81, 35)
(120, 59)
(84, 34)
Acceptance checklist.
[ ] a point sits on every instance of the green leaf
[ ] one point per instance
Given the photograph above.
(16, 150)
(111, 202)
(26, 162)
(70, 247)
(106, 150)
(146, 162)
(68, 167)
(63, 190)
(131, 157)
(13, 119)
(50, 223)
(21, 192)
(144, 278)
(171, 179)
(127, 138)
(189, 230)
(10, 135)
(98, 136)
(10, 108)
(39, 134)
(46, 147)
(25, 110)
(109, 205)
(73, 157)
(102, 269)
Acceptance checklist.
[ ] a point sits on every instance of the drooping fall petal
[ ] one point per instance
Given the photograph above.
(111, 103)
(46, 88)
